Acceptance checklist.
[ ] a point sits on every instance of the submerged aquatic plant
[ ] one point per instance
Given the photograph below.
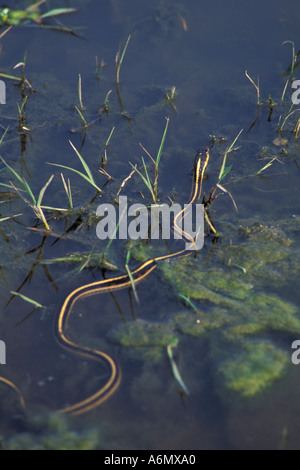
(239, 318)
(182, 387)
(254, 369)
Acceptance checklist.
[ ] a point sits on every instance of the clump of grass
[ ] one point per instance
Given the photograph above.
(87, 175)
(153, 186)
(23, 65)
(290, 71)
(288, 115)
(22, 79)
(22, 115)
(224, 170)
(35, 204)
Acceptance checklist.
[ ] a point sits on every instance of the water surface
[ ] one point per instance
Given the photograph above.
(203, 49)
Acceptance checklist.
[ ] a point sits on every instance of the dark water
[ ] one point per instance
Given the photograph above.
(203, 49)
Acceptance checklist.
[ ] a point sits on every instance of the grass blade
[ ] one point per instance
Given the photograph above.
(67, 190)
(50, 208)
(162, 143)
(188, 301)
(81, 115)
(147, 175)
(42, 192)
(21, 180)
(79, 173)
(221, 174)
(58, 11)
(174, 367)
(85, 166)
(132, 283)
(142, 176)
(229, 194)
(119, 59)
(27, 299)
(113, 235)
(80, 93)
(9, 76)
(3, 135)
(11, 217)
(227, 170)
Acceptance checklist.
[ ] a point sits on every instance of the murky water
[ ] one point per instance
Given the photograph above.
(234, 352)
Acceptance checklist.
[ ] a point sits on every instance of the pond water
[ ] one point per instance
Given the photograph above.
(233, 308)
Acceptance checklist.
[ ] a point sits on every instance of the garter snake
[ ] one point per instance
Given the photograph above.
(112, 284)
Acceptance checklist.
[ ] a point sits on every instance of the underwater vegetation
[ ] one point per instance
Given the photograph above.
(234, 297)
(236, 315)
(52, 432)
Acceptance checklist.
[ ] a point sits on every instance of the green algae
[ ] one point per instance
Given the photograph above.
(237, 310)
(214, 286)
(52, 432)
(199, 324)
(265, 253)
(256, 367)
(141, 251)
(149, 339)
(265, 233)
